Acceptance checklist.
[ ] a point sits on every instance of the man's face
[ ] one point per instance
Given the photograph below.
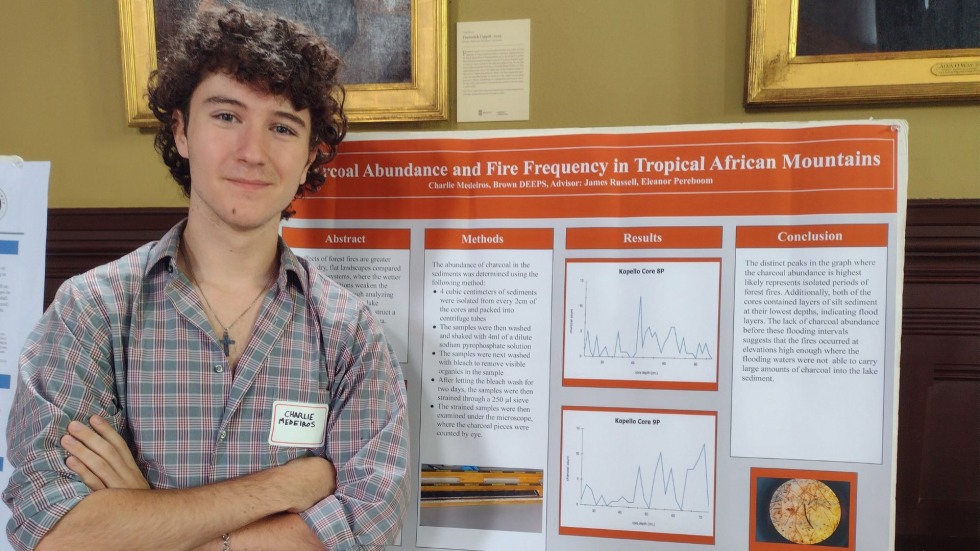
(248, 152)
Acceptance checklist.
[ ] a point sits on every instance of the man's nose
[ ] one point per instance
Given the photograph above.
(251, 144)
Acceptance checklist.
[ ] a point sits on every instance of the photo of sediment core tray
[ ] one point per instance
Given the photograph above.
(444, 485)
(485, 498)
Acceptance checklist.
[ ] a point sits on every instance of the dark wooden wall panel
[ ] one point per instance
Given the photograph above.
(80, 239)
(938, 493)
(938, 485)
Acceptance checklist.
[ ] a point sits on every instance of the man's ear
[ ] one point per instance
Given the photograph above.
(179, 127)
(309, 162)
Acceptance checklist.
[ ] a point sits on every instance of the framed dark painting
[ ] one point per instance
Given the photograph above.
(394, 51)
(860, 51)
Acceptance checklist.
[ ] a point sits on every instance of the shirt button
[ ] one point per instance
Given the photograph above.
(219, 369)
(222, 435)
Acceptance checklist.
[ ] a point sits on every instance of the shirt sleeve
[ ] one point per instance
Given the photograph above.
(65, 374)
(367, 439)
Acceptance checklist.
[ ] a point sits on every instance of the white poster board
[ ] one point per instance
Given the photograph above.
(23, 232)
(617, 336)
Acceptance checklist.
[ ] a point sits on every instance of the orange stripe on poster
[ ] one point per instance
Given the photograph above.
(694, 237)
(490, 238)
(635, 535)
(331, 238)
(802, 170)
(823, 235)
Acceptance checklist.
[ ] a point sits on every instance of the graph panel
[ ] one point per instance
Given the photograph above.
(638, 474)
(642, 323)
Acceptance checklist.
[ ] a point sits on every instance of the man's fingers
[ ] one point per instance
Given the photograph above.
(99, 456)
(105, 454)
(105, 430)
(93, 482)
(93, 441)
(91, 461)
(123, 462)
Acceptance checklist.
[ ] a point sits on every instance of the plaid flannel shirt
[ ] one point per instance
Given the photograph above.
(129, 341)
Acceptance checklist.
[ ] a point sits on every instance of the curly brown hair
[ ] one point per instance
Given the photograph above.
(264, 51)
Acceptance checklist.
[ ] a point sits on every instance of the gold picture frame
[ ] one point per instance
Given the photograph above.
(775, 75)
(423, 99)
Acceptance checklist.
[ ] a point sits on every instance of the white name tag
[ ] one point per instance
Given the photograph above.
(298, 425)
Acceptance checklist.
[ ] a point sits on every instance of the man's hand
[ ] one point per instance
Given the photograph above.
(101, 457)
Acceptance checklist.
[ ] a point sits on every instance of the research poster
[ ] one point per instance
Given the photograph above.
(23, 232)
(633, 338)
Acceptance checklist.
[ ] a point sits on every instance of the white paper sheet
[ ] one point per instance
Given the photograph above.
(493, 71)
(23, 231)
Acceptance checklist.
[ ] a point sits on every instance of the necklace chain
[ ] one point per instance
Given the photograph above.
(225, 340)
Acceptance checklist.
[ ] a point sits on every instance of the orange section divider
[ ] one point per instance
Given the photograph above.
(821, 235)
(490, 238)
(717, 172)
(694, 237)
(330, 238)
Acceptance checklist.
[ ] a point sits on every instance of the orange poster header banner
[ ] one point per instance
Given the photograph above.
(490, 238)
(671, 237)
(330, 238)
(721, 170)
(803, 236)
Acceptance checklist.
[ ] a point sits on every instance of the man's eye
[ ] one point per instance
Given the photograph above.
(226, 117)
(283, 129)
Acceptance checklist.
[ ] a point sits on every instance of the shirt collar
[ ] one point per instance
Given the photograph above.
(291, 267)
(163, 255)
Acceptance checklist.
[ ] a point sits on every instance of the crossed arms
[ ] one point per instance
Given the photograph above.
(257, 509)
(73, 368)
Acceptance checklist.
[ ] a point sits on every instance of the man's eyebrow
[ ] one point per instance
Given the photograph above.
(287, 115)
(222, 100)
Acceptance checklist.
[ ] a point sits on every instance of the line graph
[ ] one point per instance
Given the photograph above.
(663, 496)
(646, 343)
(641, 322)
(645, 472)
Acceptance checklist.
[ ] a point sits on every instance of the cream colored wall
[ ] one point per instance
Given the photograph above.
(594, 63)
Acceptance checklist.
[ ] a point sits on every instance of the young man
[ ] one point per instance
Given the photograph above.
(212, 390)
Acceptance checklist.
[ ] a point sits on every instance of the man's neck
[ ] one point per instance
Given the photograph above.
(224, 257)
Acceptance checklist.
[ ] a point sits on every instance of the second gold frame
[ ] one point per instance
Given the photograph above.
(776, 75)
